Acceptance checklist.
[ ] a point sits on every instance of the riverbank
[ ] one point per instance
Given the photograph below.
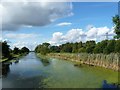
(110, 61)
(13, 56)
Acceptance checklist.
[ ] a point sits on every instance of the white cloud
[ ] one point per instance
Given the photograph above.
(20, 44)
(16, 14)
(22, 39)
(31, 45)
(76, 35)
(73, 35)
(20, 36)
(99, 33)
(64, 24)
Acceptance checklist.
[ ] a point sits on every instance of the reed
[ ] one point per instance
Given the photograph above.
(110, 61)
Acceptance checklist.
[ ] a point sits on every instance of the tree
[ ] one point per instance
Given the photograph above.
(100, 46)
(66, 48)
(5, 49)
(16, 50)
(116, 21)
(43, 49)
(46, 45)
(117, 46)
(82, 50)
(24, 50)
(90, 45)
(110, 47)
(75, 47)
(54, 49)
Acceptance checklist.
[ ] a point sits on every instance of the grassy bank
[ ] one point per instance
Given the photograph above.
(13, 56)
(110, 61)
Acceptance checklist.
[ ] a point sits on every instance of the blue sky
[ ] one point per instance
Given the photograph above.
(86, 17)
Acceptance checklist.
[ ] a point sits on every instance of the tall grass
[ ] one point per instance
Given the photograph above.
(104, 60)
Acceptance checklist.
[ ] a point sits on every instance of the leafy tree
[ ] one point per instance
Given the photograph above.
(100, 46)
(110, 47)
(117, 46)
(66, 48)
(75, 47)
(16, 50)
(24, 50)
(5, 49)
(116, 21)
(54, 49)
(43, 49)
(80, 45)
(82, 50)
(46, 45)
(90, 45)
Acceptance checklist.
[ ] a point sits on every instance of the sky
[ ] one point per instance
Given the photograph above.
(31, 23)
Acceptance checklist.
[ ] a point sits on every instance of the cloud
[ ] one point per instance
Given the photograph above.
(64, 24)
(16, 14)
(20, 36)
(77, 35)
(22, 39)
(99, 33)
(20, 44)
(73, 35)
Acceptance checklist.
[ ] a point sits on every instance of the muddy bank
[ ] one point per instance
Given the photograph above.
(110, 61)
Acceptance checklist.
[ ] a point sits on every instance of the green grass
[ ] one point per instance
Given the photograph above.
(14, 56)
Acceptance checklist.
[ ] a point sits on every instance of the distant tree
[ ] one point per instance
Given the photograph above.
(90, 45)
(82, 50)
(24, 50)
(105, 46)
(16, 50)
(75, 47)
(66, 48)
(116, 21)
(46, 44)
(100, 46)
(110, 47)
(5, 49)
(117, 46)
(54, 49)
(80, 45)
(43, 49)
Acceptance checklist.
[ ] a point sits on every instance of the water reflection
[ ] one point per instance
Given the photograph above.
(45, 62)
(5, 69)
(16, 62)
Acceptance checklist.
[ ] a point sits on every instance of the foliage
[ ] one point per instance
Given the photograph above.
(54, 49)
(5, 49)
(116, 21)
(100, 46)
(117, 46)
(24, 50)
(9, 53)
(16, 50)
(90, 45)
(43, 49)
(110, 47)
(105, 46)
(66, 47)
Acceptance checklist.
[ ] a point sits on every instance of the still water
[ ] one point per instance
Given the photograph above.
(33, 72)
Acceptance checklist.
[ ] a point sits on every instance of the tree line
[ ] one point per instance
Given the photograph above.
(7, 52)
(105, 46)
